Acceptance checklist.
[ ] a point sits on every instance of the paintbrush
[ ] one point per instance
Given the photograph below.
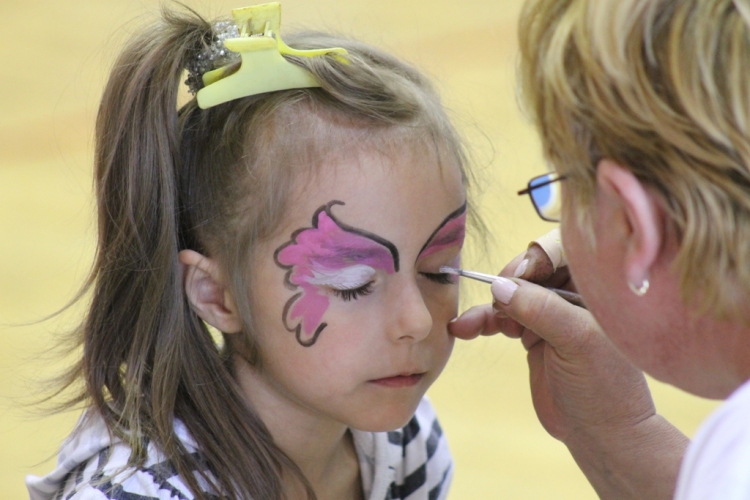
(571, 297)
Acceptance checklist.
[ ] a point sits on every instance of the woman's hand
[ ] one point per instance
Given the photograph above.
(584, 391)
(578, 379)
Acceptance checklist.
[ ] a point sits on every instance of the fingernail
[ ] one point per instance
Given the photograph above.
(503, 289)
(453, 320)
(521, 268)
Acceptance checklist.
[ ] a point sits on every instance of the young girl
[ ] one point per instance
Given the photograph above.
(307, 223)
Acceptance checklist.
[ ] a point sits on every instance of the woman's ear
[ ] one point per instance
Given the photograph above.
(207, 294)
(635, 219)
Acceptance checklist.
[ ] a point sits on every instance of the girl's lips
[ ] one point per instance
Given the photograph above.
(399, 380)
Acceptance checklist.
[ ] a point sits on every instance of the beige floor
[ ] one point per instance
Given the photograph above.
(53, 58)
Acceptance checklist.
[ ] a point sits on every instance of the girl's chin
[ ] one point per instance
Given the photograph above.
(396, 417)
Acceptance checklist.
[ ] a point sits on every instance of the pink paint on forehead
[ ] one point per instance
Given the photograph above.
(451, 233)
(326, 246)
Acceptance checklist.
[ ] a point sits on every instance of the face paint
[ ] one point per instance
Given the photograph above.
(451, 232)
(348, 278)
(333, 254)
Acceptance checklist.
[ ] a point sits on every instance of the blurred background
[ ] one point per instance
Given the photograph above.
(54, 57)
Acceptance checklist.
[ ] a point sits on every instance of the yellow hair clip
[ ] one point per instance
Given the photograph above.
(262, 67)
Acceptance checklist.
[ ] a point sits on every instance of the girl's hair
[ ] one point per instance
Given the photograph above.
(216, 181)
(660, 86)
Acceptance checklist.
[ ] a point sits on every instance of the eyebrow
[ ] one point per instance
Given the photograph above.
(454, 236)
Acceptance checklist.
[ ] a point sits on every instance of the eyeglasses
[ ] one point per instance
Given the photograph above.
(545, 195)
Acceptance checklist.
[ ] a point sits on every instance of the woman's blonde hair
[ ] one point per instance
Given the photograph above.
(218, 181)
(662, 87)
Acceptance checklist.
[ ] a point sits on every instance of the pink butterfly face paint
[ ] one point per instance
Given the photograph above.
(332, 255)
(450, 233)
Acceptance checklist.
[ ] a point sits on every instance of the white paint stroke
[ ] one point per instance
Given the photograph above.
(347, 278)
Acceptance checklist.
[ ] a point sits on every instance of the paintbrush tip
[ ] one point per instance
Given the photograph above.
(449, 270)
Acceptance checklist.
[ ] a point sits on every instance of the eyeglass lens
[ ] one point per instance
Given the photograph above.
(546, 196)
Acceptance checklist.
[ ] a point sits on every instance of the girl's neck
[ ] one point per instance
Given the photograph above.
(322, 448)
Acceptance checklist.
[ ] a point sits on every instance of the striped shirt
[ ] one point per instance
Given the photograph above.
(412, 463)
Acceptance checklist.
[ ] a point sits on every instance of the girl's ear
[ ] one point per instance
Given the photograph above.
(635, 219)
(207, 293)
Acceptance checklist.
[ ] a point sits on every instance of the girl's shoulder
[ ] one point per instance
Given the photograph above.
(413, 462)
(408, 463)
(93, 466)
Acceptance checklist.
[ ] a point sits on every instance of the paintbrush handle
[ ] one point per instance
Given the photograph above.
(485, 278)
(571, 297)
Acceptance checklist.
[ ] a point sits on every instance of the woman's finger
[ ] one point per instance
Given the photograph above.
(529, 339)
(484, 320)
(558, 322)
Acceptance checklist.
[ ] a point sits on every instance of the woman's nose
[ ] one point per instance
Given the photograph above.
(412, 320)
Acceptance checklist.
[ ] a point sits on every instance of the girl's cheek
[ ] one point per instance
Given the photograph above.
(361, 307)
(441, 301)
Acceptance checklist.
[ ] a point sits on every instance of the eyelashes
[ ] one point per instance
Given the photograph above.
(440, 278)
(353, 294)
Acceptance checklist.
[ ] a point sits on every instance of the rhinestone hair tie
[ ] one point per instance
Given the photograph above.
(213, 55)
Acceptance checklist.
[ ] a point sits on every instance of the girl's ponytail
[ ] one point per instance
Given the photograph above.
(136, 276)
(147, 358)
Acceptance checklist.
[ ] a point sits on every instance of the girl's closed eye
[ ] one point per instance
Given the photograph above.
(353, 294)
(349, 283)
(440, 278)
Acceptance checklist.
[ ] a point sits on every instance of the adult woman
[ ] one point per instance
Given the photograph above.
(643, 112)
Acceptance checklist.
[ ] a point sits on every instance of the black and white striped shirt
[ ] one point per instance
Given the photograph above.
(412, 463)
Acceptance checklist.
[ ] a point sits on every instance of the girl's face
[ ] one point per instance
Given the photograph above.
(350, 309)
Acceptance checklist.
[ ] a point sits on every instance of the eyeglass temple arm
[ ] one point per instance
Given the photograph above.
(530, 188)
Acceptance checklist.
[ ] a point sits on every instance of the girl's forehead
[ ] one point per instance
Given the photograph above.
(314, 141)
(400, 194)
(400, 154)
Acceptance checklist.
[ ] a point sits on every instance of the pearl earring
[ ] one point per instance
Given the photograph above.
(640, 292)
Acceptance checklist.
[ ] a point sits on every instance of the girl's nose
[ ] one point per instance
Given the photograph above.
(412, 320)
